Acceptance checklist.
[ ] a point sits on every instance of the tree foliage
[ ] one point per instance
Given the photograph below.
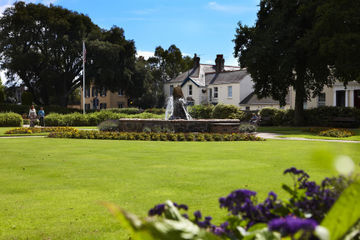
(2, 92)
(42, 46)
(165, 65)
(280, 52)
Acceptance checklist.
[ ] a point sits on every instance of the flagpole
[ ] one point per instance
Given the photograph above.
(83, 77)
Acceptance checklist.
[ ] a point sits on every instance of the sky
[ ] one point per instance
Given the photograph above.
(204, 27)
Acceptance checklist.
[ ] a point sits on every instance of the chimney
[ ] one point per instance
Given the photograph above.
(196, 61)
(219, 63)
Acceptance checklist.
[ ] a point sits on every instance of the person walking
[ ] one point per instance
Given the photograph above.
(32, 116)
(41, 115)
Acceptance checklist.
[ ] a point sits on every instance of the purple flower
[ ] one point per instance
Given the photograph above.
(197, 215)
(157, 210)
(183, 206)
(218, 231)
(291, 224)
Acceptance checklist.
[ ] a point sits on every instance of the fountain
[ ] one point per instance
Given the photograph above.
(176, 106)
(177, 119)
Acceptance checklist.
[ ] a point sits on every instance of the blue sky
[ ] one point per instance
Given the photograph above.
(205, 27)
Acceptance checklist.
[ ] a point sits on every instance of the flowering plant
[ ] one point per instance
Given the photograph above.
(312, 212)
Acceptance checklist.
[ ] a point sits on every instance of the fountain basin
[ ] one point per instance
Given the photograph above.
(179, 125)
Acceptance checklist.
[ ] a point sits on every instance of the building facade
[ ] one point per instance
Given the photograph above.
(212, 84)
(97, 99)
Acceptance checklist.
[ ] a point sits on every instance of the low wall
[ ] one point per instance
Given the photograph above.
(201, 125)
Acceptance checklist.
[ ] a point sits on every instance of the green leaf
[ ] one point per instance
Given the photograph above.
(288, 189)
(345, 213)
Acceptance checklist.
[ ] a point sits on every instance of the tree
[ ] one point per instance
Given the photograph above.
(165, 65)
(42, 46)
(278, 56)
(336, 33)
(2, 92)
(112, 62)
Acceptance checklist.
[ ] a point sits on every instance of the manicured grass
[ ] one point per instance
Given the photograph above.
(300, 132)
(51, 188)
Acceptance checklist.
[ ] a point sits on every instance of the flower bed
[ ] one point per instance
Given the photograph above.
(24, 130)
(337, 133)
(144, 136)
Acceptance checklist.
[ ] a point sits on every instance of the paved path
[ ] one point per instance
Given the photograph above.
(276, 136)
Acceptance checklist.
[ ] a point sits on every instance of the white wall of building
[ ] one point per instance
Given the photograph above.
(246, 87)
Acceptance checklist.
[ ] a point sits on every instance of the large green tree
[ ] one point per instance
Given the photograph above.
(278, 55)
(336, 33)
(42, 46)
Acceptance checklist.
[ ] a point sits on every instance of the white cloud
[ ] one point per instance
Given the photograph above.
(4, 4)
(145, 54)
(229, 8)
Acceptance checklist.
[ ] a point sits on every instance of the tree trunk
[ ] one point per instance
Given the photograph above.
(300, 97)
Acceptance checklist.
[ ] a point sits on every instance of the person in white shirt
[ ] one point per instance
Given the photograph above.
(32, 116)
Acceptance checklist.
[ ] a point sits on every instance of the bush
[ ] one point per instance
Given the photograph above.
(109, 126)
(337, 133)
(157, 111)
(128, 111)
(222, 111)
(90, 134)
(201, 111)
(247, 128)
(24, 109)
(25, 130)
(324, 116)
(10, 120)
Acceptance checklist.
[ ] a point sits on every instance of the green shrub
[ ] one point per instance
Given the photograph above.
(109, 125)
(201, 111)
(128, 111)
(24, 109)
(337, 133)
(158, 111)
(10, 119)
(325, 116)
(247, 128)
(222, 111)
(91, 134)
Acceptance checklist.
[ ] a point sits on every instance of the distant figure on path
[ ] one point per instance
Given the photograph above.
(41, 115)
(32, 116)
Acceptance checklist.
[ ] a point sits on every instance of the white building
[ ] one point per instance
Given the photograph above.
(211, 84)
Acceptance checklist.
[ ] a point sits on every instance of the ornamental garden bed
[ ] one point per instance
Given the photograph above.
(144, 136)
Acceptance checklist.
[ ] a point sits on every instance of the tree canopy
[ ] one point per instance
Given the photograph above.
(279, 51)
(42, 46)
(165, 65)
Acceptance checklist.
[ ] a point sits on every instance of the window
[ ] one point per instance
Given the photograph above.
(121, 92)
(102, 105)
(190, 90)
(171, 89)
(87, 105)
(229, 91)
(103, 92)
(87, 92)
(321, 99)
(216, 92)
(94, 92)
(247, 108)
(210, 94)
(340, 98)
(120, 105)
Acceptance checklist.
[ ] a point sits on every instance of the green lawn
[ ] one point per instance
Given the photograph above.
(51, 188)
(300, 132)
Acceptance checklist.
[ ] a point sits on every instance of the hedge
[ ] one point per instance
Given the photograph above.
(321, 117)
(30, 130)
(143, 136)
(10, 119)
(220, 111)
(24, 109)
(92, 119)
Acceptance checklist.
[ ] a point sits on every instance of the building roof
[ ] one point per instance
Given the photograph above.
(252, 99)
(199, 74)
(225, 77)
